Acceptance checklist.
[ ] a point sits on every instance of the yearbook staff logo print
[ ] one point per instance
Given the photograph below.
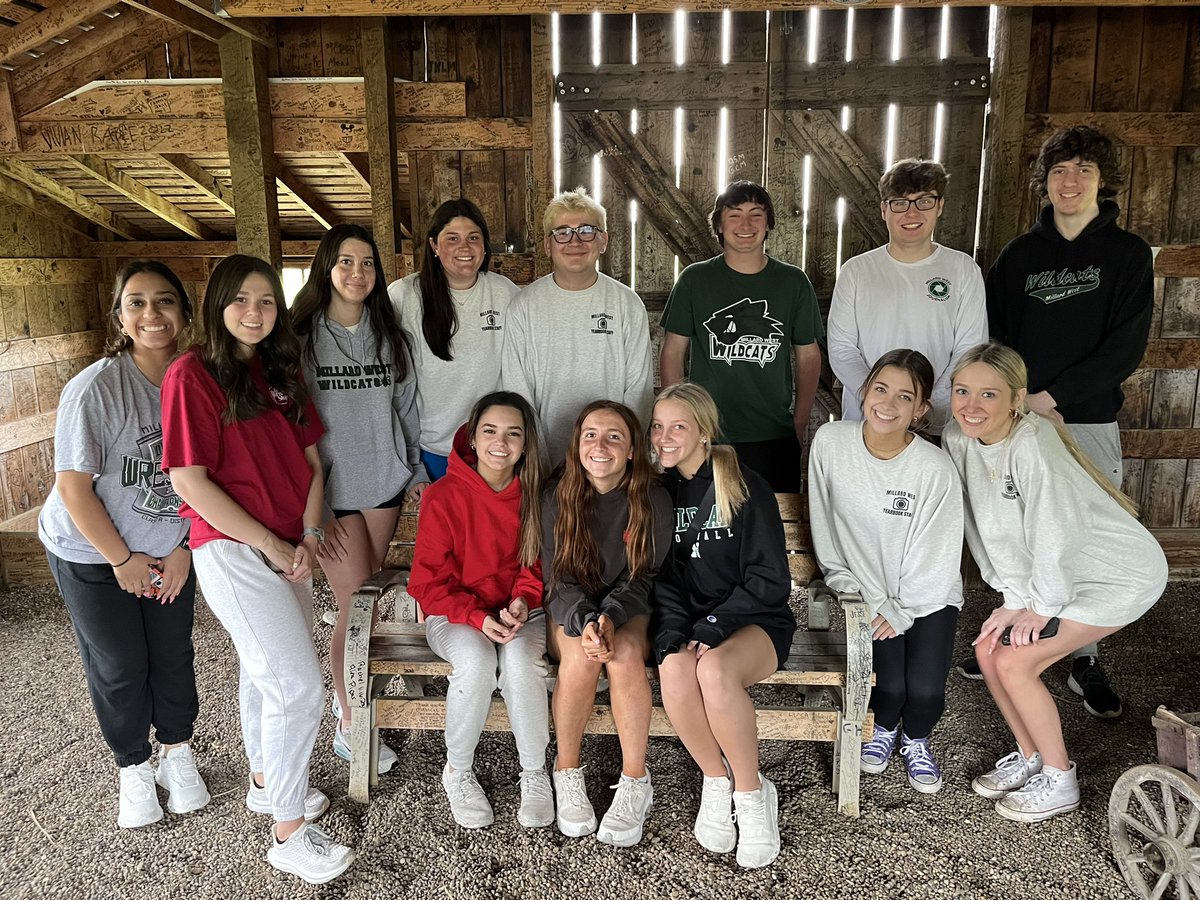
(939, 289)
(743, 332)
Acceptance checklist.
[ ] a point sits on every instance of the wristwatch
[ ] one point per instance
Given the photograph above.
(316, 531)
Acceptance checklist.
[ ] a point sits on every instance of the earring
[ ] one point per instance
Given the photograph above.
(1013, 413)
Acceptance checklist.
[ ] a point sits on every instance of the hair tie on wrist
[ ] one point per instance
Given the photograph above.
(125, 560)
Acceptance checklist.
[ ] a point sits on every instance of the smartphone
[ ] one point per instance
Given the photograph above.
(1049, 631)
(156, 581)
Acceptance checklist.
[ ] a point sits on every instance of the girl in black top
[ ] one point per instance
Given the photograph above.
(722, 619)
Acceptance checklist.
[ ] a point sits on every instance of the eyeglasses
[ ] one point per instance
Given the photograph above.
(585, 233)
(901, 204)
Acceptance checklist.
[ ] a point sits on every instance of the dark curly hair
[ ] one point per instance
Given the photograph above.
(735, 194)
(913, 176)
(1085, 142)
(116, 342)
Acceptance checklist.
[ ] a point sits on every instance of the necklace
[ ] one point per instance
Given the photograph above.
(889, 453)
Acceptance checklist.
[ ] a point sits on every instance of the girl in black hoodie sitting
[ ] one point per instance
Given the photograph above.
(722, 619)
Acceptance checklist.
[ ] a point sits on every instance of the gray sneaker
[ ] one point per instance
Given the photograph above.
(1043, 796)
(714, 828)
(626, 817)
(138, 803)
(468, 803)
(178, 775)
(537, 799)
(311, 854)
(575, 814)
(758, 825)
(1010, 773)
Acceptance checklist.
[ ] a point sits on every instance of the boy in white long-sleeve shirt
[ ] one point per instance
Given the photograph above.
(911, 292)
(576, 335)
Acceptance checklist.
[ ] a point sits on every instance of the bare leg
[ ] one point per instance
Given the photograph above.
(1013, 675)
(629, 691)
(574, 693)
(366, 544)
(684, 704)
(724, 674)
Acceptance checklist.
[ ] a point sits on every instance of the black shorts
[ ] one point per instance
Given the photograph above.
(781, 639)
(394, 503)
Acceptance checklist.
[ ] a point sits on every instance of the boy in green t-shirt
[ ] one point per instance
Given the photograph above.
(751, 323)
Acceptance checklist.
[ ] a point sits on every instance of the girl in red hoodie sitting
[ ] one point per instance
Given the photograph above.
(477, 575)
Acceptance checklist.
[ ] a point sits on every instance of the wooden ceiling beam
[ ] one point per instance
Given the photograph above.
(260, 32)
(196, 176)
(76, 202)
(39, 29)
(181, 16)
(53, 212)
(113, 178)
(130, 39)
(307, 198)
(81, 46)
(237, 8)
(10, 138)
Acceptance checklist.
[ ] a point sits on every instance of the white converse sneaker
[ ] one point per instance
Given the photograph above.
(714, 823)
(257, 801)
(1009, 774)
(468, 803)
(537, 799)
(311, 854)
(574, 810)
(758, 825)
(1051, 792)
(138, 804)
(178, 775)
(341, 746)
(626, 817)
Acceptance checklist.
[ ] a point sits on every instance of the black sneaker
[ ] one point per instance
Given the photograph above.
(1088, 680)
(968, 667)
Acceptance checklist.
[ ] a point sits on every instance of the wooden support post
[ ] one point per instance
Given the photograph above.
(10, 138)
(542, 76)
(1005, 133)
(380, 92)
(251, 147)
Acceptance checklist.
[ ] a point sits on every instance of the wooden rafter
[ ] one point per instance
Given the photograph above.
(358, 165)
(76, 202)
(10, 139)
(195, 175)
(839, 160)
(38, 30)
(182, 16)
(110, 176)
(649, 86)
(259, 32)
(525, 8)
(130, 39)
(628, 160)
(82, 45)
(51, 211)
(306, 197)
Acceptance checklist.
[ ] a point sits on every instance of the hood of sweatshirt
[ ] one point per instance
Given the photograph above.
(1044, 227)
(461, 467)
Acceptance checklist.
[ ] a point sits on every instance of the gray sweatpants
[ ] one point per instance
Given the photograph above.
(279, 681)
(521, 664)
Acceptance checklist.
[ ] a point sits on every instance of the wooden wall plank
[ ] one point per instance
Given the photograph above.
(378, 86)
(654, 263)
(963, 141)
(48, 271)
(1074, 49)
(520, 233)
(31, 427)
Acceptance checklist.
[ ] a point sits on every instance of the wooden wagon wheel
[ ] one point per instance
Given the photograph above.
(1153, 818)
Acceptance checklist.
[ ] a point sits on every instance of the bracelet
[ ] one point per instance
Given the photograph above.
(316, 531)
(125, 560)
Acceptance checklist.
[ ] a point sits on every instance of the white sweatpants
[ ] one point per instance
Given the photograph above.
(521, 664)
(279, 682)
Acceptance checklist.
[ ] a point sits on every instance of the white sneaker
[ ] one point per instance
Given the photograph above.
(537, 799)
(758, 825)
(138, 804)
(257, 801)
(714, 822)
(626, 817)
(341, 746)
(1010, 774)
(1049, 793)
(468, 803)
(575, 814)
(311, 854)
(178, 775)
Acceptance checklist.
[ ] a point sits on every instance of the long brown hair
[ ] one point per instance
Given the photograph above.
(575, 552)
(528, 470)
(914, 364)
(439, 319)
(315, 296)
(279, 351)
(116, 342)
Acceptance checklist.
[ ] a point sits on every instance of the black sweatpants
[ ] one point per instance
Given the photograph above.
(778, 461)
(910, 674)
(137, 657)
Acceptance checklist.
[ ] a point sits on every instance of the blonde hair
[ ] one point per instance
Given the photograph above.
(1008, 364)
(730, 487)
(576, 201)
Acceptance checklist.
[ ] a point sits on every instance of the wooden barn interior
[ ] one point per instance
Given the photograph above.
(163, 128)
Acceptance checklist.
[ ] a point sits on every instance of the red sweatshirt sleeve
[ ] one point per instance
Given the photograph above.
(529, 584)
(435, 580)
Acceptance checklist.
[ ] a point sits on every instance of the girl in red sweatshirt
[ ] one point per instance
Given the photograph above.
(477, 575)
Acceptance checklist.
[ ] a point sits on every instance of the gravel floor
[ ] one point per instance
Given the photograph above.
(59, 798)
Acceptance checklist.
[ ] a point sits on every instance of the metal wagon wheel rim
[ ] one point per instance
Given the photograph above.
(1153, 819)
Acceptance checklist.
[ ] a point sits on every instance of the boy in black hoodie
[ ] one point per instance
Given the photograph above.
(1074, 296)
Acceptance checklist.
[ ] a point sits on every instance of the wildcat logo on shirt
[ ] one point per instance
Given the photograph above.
(346, 378)
(743, 332)
(713, 529)
(899, 503)
(1052, 286)
(156, 497)
(1009, 491)
(489, 320)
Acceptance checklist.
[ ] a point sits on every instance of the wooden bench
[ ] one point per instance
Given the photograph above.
(823, 664)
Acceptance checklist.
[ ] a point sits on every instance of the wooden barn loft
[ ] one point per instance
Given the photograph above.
(164, 128)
